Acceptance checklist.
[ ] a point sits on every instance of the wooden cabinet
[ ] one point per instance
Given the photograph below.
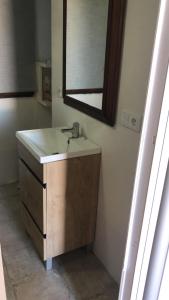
(33, 196)
(59, 202)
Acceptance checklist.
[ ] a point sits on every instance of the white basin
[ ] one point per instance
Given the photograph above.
(50, 144)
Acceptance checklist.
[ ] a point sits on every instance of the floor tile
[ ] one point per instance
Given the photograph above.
(8, 285)
(5, 214)
(46, 286)
(76, 276)
(102, 297)
(9, 189)
(12, 233)
(84, 275)
(22, 263)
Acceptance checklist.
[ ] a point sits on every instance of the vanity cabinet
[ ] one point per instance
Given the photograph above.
(59, 201)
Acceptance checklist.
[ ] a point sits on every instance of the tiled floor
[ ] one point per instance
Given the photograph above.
(75, 276)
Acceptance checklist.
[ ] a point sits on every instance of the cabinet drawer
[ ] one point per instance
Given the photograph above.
(37, 238)
(35, 166)
(33, 195)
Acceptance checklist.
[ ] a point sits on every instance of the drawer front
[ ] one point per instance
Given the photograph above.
(33, 195)
(37, 238)
(34, 165)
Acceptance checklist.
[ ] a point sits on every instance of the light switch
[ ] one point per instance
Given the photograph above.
(135, 122)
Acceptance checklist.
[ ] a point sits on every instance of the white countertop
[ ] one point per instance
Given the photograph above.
(45, 143)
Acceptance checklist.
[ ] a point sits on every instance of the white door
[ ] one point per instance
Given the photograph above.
(155, 98)
(149, 233)
(159, 249)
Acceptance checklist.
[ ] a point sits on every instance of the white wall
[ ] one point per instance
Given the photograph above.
(17, 46)
(43, 29)
(86, 43)
(119, 145)
(17, 57)
(17, 114)
(25, 37)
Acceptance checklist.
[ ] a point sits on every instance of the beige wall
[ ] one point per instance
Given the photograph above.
(119, 145)
(17, 114)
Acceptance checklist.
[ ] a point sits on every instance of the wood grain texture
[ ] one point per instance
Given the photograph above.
(72, 196)
(61, 217)
(35, 166)
(36, 236)
(2, 282)
(34, 196)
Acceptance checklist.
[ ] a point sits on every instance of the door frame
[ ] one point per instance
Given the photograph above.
(148, 146)
(153, 201)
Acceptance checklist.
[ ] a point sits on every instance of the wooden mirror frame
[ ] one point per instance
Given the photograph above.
(115, 28)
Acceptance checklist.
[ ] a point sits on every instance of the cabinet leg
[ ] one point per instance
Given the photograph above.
(48, 264)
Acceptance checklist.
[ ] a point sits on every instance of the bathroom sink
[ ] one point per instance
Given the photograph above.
(50, 144)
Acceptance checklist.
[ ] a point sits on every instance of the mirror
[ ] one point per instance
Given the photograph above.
(92, 45)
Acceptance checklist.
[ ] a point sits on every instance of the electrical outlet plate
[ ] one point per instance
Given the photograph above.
(131, 120)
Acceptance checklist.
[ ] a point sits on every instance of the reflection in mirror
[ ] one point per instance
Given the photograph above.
(92, 55)
(85, 50)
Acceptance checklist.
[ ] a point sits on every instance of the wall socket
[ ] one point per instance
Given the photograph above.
(131, 120)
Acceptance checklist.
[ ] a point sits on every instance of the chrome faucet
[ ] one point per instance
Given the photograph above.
(74, 130)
